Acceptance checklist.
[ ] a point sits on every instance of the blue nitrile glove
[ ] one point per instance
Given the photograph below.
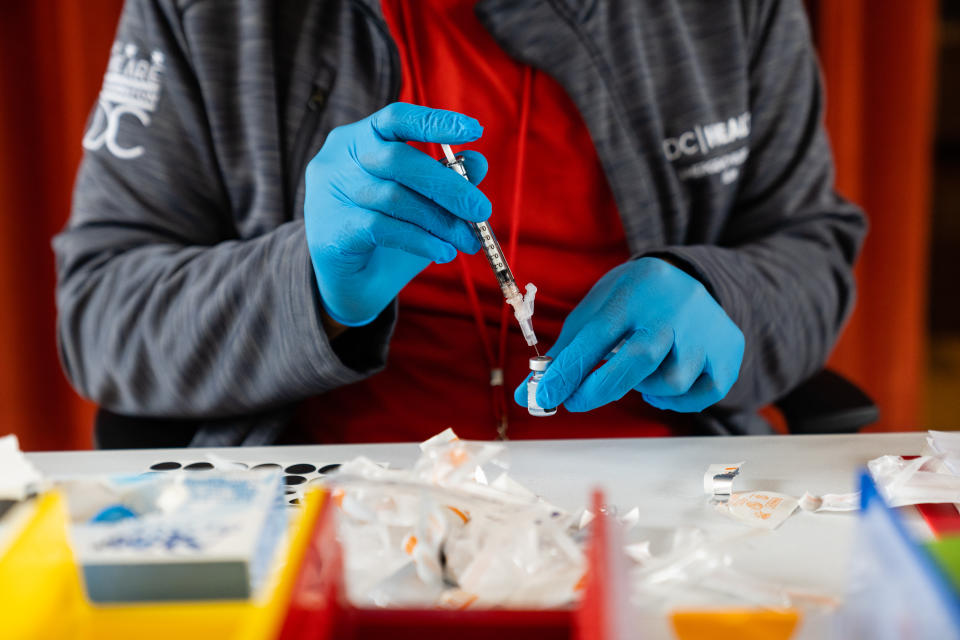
(377, 211)
(681, 350)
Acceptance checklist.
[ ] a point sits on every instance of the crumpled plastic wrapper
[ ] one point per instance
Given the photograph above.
(696, 570)
(440, 535)
(946, 445)
(18, 477)
(922, 480)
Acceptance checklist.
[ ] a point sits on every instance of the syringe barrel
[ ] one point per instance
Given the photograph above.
(490, 245)
(498, 262)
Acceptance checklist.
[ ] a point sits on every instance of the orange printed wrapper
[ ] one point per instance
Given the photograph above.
(763, 509)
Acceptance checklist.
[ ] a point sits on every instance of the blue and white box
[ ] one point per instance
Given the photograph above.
(178, 536)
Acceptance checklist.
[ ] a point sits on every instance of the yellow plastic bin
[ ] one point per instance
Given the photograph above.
(40, 591)
(52, 604)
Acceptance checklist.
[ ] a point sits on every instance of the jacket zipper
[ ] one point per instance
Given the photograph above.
(319, 97)
(381, 25)
(395, 74)
(308, 128)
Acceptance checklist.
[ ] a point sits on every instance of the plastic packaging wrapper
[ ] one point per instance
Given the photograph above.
(18, 481)
(830, 502)
(439, 535)
(697, 569)
(763, 509)
(946, 445)
(209, 535)
(766, 509)
(923, 480)
(18, 478)
(695, 572)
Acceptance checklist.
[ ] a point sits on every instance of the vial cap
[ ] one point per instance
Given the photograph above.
(540, 363)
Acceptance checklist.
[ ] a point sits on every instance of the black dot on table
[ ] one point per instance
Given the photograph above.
(301, 468)
(295, 501)
(290, 491)
(294, 479)
(329, 468)
(198, 466)
(267, 465)
(165, 466)
(242, 465)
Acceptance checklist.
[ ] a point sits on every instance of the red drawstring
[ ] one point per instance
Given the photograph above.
(475, 306)
(420, 94)
(515, 204)
(497, 388)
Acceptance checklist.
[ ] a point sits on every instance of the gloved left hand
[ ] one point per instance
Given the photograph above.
(680, 349)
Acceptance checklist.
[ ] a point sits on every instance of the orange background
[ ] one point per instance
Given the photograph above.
(879, 69)
(52, 57)
(879, 59)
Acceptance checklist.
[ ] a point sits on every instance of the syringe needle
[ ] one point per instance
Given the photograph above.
(537, 350)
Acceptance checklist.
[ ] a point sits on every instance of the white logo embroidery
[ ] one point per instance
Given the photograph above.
(704, 138)
(131, 86)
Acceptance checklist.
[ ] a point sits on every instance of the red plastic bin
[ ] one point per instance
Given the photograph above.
(319, 609)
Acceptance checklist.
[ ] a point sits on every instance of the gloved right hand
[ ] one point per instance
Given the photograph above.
(377, 211)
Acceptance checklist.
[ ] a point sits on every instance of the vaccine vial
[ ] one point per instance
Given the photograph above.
(537, 366)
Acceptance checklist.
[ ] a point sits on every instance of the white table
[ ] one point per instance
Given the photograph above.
(662, 476)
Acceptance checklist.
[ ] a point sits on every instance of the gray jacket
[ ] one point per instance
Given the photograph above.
(184, 282)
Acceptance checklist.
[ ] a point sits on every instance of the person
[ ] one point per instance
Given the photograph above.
(264, 247)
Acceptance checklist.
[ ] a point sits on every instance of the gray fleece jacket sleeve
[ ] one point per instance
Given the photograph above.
(164, 310)
(783, 271)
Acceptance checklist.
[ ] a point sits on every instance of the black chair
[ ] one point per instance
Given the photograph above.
(827, 403)
(115, 431)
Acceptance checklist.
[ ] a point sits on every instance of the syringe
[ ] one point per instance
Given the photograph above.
(498, 262)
